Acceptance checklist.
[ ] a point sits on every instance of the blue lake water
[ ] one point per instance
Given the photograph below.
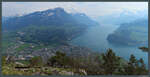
(95, 38)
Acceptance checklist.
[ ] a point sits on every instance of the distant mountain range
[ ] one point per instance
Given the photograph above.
(123, 17)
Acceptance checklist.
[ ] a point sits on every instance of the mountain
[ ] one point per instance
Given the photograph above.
(123, 17)
(82, 18)
(134, 33)
(51, 17)
(45, 32)
(52, 26)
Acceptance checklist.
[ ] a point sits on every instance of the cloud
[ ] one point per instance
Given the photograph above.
(92, 9)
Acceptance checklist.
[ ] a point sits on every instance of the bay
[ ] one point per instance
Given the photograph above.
(96, 39)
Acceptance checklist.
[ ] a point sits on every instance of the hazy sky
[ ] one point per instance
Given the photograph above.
(92, 9)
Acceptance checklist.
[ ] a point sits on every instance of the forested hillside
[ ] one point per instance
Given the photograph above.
(133, 33)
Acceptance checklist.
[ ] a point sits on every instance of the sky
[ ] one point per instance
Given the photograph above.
(92, 9)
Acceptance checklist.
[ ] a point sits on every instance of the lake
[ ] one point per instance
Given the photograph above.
(96, 39)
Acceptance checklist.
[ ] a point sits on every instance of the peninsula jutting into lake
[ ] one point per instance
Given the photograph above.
(78, 38)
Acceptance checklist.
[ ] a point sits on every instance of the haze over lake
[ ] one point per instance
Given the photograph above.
(107, 14)
(74, 38)
(96, 39)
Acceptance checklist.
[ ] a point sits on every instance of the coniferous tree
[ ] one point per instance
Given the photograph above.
(142, 63)
(135, 67)
(130, 68)
(111, 62)
(141, 69)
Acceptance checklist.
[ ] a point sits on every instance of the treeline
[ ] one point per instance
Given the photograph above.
(103, 64)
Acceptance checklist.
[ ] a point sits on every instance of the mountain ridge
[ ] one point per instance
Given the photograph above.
(134, 33)
(56, 17)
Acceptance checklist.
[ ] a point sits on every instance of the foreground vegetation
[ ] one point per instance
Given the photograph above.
(38, 44)
(61, 64)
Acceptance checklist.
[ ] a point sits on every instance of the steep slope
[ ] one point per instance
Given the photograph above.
(50, 27)
(133, 33)
(51, 17)
(82, 18)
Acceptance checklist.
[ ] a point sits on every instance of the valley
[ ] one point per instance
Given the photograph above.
(54, 42)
